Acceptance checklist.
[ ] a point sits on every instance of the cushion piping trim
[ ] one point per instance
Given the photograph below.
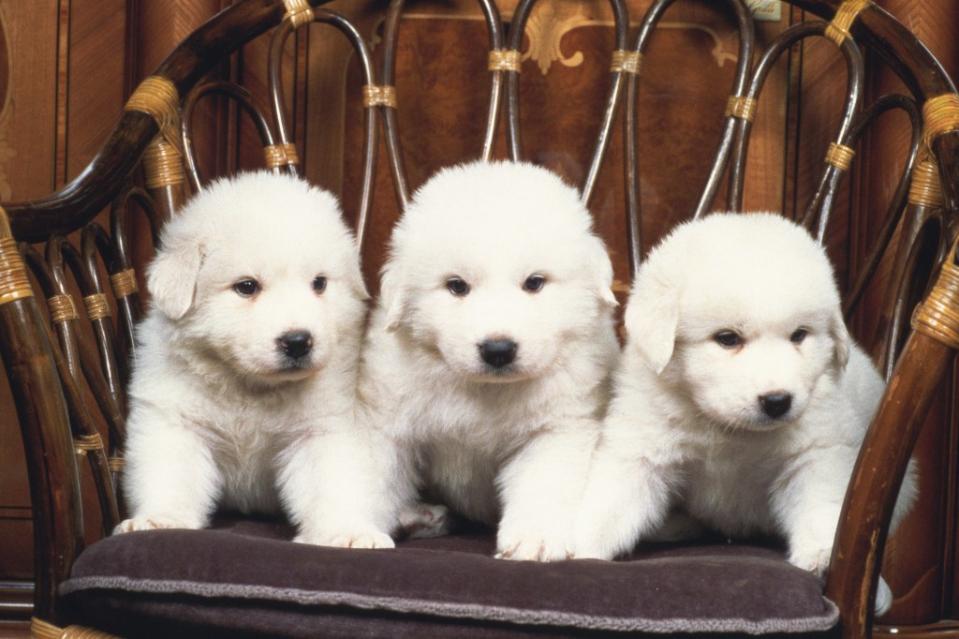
(454, 610)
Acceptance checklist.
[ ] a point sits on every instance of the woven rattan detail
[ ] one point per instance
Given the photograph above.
(840, 156)
(940, 115)
(379, 95)
(62, 308)
(846, 14)
(275, 155)
(97, 306)
(298, 12)
(116, 464)
(14, 283)
(926, 189)
(124, 283)
(741, 107)
(87, 443)
(40, 629)
(938, 315)
(504, 60)
(157, 97)
(162, 164)
(626, 61)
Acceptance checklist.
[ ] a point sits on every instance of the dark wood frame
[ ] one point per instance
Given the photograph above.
(44, 381)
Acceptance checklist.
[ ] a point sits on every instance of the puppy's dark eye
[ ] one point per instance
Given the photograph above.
(534, 283)
(319, 284)
(798, 335)
(728, 339)
(457, 286)
(247, 287)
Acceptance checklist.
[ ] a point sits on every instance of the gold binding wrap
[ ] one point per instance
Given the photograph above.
(846, 14)
(840, 156)
(276, 155)
(124, 283)
(504, 60)
(40, 629)
(626, 61)
(158, 97)
(116, 464)
(97, 306)
(940, 116)
(926, 189)
(14, 283)
(62, 308)
(298, 12)
(938, 315)
(86, 443)
(161, 164)
(741, 107)
(379, 95)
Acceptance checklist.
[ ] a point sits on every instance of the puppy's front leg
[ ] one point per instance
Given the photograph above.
(807, 502)
(338, 491)
(540, 489)
(170, 477)
(626, 498)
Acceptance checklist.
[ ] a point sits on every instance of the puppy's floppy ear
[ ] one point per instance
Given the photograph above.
(171, 277)
(840, 339)
(652, 317)
(392, 296)
(602, 269)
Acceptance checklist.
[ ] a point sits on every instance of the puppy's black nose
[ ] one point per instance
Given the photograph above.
(776, 404)
(295, 343)
(498, 352)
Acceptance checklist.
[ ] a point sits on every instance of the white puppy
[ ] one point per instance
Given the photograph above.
(489, 350)
(740, 398)
(243, 393)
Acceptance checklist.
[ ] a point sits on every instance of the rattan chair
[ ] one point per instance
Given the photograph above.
(140, 584)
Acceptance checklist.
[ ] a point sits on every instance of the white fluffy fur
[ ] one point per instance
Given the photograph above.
(217, 416)
(513, 447)
(685, 428)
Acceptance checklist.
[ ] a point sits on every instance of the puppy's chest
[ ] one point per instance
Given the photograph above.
(250, 436)
(487, 427)
(727, 485)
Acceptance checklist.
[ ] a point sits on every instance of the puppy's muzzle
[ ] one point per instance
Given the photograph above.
(775, 404)
(498, 352)
(295, 344)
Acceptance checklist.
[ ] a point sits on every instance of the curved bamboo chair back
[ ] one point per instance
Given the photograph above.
(53, 366)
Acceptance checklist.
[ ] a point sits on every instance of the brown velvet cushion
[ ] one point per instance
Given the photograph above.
(246, 579)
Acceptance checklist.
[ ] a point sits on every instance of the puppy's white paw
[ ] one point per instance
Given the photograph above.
(421, 521)
(883, 598)
(532, 547)
(813, 559)
(152, 522)
(353, 539)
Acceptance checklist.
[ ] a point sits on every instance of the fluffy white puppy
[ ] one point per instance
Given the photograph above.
(243, 393)
(489, 349)
(740, 398)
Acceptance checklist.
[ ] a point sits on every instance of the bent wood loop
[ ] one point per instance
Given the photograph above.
(373, 95)
(618, 77)
(499, 61)
(738, 107)
(42, 414)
